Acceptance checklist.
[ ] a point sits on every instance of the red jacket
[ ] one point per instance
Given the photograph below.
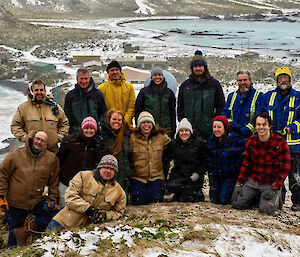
(266, 163)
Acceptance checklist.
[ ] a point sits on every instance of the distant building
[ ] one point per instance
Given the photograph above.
(80, 59)
(141, 62)
(42, 67)
(92, 65)
(248, 55)
(128, 48)
(4, 58)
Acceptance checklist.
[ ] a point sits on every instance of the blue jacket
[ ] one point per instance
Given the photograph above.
(225, 159)
(285, 113)
(239, 110)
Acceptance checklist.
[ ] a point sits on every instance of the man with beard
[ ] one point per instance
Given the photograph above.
(24, 173)
(242, 104)
(118, 94)
(200, 97)
(83, 101)
(39, 112)
(283, 104)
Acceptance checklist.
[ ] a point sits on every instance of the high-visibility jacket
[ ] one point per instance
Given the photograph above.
(285, 112)
(240, 109)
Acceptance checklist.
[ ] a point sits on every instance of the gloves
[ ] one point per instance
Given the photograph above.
(3, 204)
(50, 206)
(96, 215)
(237, 191)
(269, 194)
(194, 177)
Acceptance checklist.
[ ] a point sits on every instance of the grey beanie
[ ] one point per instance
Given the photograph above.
(108, 161)
(157, 70)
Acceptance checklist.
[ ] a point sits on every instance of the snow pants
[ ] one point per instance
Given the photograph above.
(252, 190)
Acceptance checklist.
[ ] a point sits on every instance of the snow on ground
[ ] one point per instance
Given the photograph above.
(143, 8)
(252, 242)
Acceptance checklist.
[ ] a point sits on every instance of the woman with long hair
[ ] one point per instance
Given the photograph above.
(115, 140)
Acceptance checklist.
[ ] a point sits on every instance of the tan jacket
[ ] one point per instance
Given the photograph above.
(147, 156)
(31, 116)
(84, 191)
(23, 177)
(119, 95)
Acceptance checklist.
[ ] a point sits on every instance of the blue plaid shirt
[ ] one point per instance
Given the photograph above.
(225, 159)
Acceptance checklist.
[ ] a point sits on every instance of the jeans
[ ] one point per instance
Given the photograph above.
(221, 189)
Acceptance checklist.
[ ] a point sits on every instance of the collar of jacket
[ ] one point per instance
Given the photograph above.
(203, 80)
(119, 81)
(101, 180)
(246, 94)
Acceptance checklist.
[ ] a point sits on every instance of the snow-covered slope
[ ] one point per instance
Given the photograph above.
(152, 7)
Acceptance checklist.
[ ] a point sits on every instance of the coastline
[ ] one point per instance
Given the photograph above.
(20, 86)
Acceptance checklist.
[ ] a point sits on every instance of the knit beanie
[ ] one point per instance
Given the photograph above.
(184, 123)
(198, 59)
(112, 64)
(108, 161)
(224, 120)
(89, 122)
(157, 70)
(145, 116)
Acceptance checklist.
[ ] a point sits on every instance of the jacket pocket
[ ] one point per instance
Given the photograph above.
(157, 150)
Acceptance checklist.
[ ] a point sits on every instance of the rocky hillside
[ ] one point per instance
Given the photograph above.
(152, 7)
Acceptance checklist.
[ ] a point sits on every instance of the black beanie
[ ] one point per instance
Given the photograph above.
(112, 64)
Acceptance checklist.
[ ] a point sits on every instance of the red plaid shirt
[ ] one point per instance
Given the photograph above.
(266, 163)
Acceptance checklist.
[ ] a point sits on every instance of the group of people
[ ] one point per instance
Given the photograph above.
(248, 146)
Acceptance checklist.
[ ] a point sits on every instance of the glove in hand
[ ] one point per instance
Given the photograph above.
(194, 177)
(96, 215)
(3, 204)
(236, 192)
(50, 206)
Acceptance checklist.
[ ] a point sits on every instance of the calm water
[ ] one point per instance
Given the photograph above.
(276, 38)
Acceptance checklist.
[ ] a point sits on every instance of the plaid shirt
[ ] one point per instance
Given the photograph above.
(266, 163)
(225, 159)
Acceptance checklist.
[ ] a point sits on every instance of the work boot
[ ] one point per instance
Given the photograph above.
(22, 233)
(295, 207)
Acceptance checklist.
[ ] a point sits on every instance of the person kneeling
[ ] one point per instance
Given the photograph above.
(265, 166)
(93, 196)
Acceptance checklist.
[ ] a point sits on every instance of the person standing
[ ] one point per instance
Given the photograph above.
(283, 105)
(118, 94)
(159, 100)
(39, 112)
(83, 101)
(265, 166)
(147, 143)
(242, 105)
(24, 173)
(225, 155)
(200, 97)
(189, 154)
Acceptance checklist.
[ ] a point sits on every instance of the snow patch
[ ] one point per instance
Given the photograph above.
(143, 8)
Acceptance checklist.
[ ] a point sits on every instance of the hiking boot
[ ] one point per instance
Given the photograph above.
(295, 207)
(22, 233)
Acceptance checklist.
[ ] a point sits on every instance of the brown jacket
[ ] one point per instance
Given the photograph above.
(32, 116)
(85, 191)
(23, 177)
(147, 156)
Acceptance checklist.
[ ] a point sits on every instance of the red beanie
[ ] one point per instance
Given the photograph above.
(223, 119)
(89, 122)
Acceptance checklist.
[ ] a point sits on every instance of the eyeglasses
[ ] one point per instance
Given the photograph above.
(40, 139)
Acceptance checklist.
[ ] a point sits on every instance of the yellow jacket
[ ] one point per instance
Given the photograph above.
(119, 95)
(85, 191)
(147, 156)
(32, 116)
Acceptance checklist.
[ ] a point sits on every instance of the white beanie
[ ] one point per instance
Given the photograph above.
(184, 123)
